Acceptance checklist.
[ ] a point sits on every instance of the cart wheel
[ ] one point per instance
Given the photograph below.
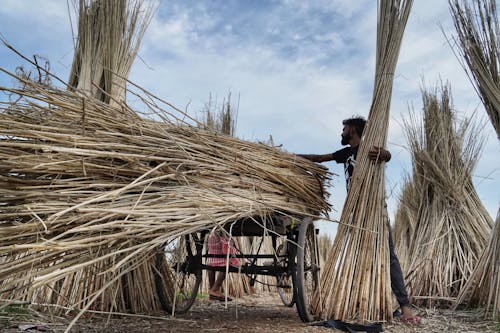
(285, 283)
(178, 272)
(307, 276)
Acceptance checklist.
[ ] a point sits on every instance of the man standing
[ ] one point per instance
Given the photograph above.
(351, 137)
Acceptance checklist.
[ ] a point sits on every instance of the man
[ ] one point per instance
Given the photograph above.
(351, 136)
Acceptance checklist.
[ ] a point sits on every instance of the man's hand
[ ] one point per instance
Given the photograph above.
(378, 154)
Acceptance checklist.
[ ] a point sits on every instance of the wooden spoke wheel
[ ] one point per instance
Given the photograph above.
(307, 269)
(285, 280)
(178, 273)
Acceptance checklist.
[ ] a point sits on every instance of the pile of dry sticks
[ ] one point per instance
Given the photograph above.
(442, 228)
(478, 45)
(91, 191)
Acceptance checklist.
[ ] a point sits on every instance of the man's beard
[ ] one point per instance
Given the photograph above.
(345, 139)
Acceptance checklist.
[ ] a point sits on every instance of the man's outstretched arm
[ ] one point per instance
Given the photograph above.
(317, 158)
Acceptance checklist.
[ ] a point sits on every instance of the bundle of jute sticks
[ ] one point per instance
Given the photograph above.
(109, 34)
(477, 41)
(479, 47)
(483, 286)
(442, 226)
(405, 223)
(355, 284)
(91, 191)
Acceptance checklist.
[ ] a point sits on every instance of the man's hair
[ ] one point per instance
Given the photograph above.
(358, 123)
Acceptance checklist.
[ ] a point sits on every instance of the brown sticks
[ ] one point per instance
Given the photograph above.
(355, 284)
(87, 200)
(478, 40)
(478, 37)
(443, 225)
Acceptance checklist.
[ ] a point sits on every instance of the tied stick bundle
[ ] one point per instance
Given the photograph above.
(90, 192)
(440, 207)
(478, 39)
(109, 36)
(483, 286)
(355, 284)
(405, 223)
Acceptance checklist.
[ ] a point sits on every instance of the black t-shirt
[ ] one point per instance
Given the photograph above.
(347, 156)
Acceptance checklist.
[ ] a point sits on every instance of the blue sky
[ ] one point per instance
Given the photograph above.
(299, 67)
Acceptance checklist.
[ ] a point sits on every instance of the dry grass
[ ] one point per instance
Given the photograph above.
(355, 284)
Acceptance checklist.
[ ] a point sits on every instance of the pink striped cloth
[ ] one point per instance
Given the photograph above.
(218, 244)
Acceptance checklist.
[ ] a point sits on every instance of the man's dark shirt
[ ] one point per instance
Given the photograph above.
(347, 156)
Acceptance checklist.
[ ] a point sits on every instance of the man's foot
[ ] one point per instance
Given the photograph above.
(407, 316)
(217, 296)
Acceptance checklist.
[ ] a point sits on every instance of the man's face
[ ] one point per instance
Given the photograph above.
(346, 135)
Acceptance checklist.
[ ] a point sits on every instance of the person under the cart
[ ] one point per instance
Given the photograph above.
(220, 244)
(351, 137)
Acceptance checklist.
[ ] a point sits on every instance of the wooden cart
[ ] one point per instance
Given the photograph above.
(294, 262)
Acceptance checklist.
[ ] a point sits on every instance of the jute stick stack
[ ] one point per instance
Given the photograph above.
(478, 32)
(83, 182)
(406, 223)
(478, 39)
(483, 286)
(440, 208)
(355, 283)
(109, 35)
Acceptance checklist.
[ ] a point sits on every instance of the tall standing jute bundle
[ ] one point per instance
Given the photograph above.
(483, 286)
(478, 38)
(355, 284)
(445, 227)
(479, 48)
(109, 36)
(406, 222)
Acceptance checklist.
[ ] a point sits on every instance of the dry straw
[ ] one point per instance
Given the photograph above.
(84, 183)
(483, 286)
(478, 37)
(91, 189)
(355, 283)
(109, 36)
(442, 227)
(478, 32)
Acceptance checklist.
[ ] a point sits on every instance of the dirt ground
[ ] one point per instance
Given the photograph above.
(254, 313)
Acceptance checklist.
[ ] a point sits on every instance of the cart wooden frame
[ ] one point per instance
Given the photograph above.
(294, 262)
